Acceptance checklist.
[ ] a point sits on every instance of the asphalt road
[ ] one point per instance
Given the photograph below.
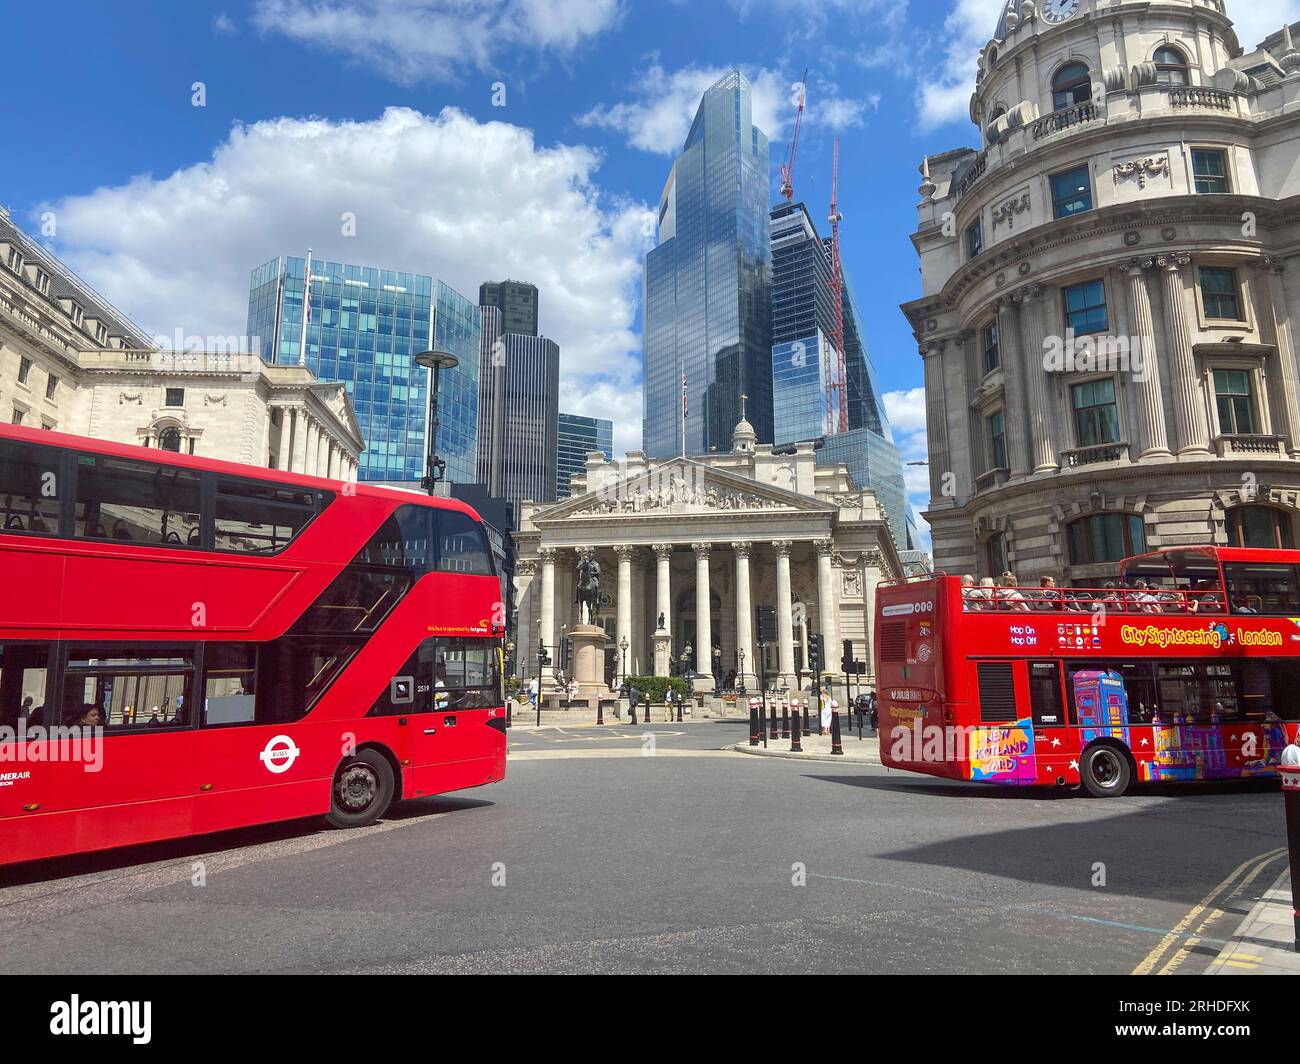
(611, 857)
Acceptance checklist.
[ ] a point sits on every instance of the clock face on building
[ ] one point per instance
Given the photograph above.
(1059, 10)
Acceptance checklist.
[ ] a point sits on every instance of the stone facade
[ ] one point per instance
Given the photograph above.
(71, 363)
(720, 534)
(1137, 183)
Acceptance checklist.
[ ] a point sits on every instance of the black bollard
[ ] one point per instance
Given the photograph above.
(509, 721)
(775, 728)
(753, 725)
(1290, 773)
(600, 711)
(785, 720)
(679, 713)
(837, 747)
(796, 747)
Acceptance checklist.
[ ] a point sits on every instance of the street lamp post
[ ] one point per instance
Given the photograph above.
(622, 645)
(510, 668)
(435, 468)
(740, 685)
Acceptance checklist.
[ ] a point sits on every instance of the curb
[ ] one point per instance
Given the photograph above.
(745, 748)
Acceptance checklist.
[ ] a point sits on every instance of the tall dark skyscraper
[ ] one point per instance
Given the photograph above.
(519, 404)
(517, 301)
(708, 283)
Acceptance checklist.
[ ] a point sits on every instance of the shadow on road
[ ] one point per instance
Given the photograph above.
(56, 868)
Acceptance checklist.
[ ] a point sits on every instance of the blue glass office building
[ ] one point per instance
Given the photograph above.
(707, 283)
(803, 321)
(577, 436)
(366, 324)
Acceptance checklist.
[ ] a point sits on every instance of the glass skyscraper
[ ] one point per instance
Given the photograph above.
(803, 321)
(365, 325)
(578, 435)
(707, 297)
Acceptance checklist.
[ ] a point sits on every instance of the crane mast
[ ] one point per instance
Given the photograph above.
(787, 167)
(835, 382)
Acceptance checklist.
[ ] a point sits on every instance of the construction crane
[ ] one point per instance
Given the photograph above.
(787, 167)
(835, 383)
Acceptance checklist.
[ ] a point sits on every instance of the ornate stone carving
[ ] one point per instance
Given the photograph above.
(741, 547)
(852, 583)
(547, 554)
(131, 397)
(526, 567)
(782, 547)
(585, 553)
(677, 493)
(825, 547)
(1174, 261)
(702, 549)
(214, 399)
(1008, 209)
(1151, 166)
(625, 550)
(662, 550)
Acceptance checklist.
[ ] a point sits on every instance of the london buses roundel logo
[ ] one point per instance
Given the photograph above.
(279, 754)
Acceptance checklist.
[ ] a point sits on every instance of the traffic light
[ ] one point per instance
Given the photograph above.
(846, 657)
(543, 658)
(815, 652)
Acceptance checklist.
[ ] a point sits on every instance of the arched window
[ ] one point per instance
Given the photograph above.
(1070, 85)
(1259, 526)
(170, 440)
(1106, 537)
(1171, 66)
(993, 58)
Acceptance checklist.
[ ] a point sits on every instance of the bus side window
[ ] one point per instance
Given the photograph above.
(137, 502)
(24, 669)
(462, 547)
(29, 501)
(470, 670)
(293, 672)
(229, 684)
(259, 518)
(1284, 685)
(1257, 587)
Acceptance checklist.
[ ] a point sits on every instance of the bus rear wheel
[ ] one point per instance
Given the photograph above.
(362, 790)
(1104, 771)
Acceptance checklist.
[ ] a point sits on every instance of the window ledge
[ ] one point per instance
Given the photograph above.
(1101, 452)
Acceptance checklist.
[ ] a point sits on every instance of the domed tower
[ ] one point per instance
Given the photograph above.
(1105, 324)
(743, 437)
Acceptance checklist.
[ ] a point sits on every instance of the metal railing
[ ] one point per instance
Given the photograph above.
(1208, 599)
(1199, 96)
(1099, 452)
(1063, 119)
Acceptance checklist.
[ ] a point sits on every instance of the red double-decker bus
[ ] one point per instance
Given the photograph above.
(1185, 667)
(188, 646)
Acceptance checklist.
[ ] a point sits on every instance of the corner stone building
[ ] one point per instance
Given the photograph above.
(717, 535)
(1138, 183)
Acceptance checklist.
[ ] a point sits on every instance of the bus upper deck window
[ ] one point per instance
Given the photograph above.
(462, 547)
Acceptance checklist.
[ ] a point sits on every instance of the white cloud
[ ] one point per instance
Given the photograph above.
(838, 114)
(224, 24)
(445, 195)
(1256, 20)
(416, 40)
(906, 410)
(946, 98)
(659, 117)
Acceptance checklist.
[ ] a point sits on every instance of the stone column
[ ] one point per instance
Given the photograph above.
(784, 615)
(663, 606)
(300, 442)
(547, 623)
(623, 608)
(525, 652)
(1286, 355)
(1013, 387)
(322, 453)
(936, 416)
(873, 561)
(1150, 402)
(827, 606)
(744, 613)
(636, 656)
(703, 609)
(1042, 425)
(1189, 410)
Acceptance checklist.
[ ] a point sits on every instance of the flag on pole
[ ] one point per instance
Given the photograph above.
(306, 311)
(686, 406)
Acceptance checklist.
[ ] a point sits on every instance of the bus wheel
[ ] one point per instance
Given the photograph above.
(362, 790)
(1104, 771)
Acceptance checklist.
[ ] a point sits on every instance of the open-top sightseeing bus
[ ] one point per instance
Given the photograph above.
(1187, 667)
(189, 645)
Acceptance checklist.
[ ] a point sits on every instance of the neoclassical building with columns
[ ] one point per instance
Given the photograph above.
(1108, 286)
(713, 536)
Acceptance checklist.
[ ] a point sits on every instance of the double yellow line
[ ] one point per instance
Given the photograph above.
(1202, 915)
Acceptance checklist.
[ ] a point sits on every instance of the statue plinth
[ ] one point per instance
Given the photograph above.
(589, 661)
(663, 651)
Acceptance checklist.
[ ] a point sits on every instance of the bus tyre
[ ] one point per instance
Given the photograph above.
(1104, 771)
(362, 790)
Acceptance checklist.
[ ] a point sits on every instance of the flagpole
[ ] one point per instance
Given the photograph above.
(306, 312)
(683, 410)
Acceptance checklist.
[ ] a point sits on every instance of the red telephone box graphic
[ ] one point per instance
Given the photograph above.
(1100, 699)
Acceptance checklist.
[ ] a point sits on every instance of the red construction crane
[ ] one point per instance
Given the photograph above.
(787, 167)
(835, 384)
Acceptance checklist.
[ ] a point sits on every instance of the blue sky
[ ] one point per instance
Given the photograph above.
(386, 110)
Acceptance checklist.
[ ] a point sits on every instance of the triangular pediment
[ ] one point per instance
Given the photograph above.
(681, 487)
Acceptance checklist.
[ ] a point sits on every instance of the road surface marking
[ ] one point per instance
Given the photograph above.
(1179, 933)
